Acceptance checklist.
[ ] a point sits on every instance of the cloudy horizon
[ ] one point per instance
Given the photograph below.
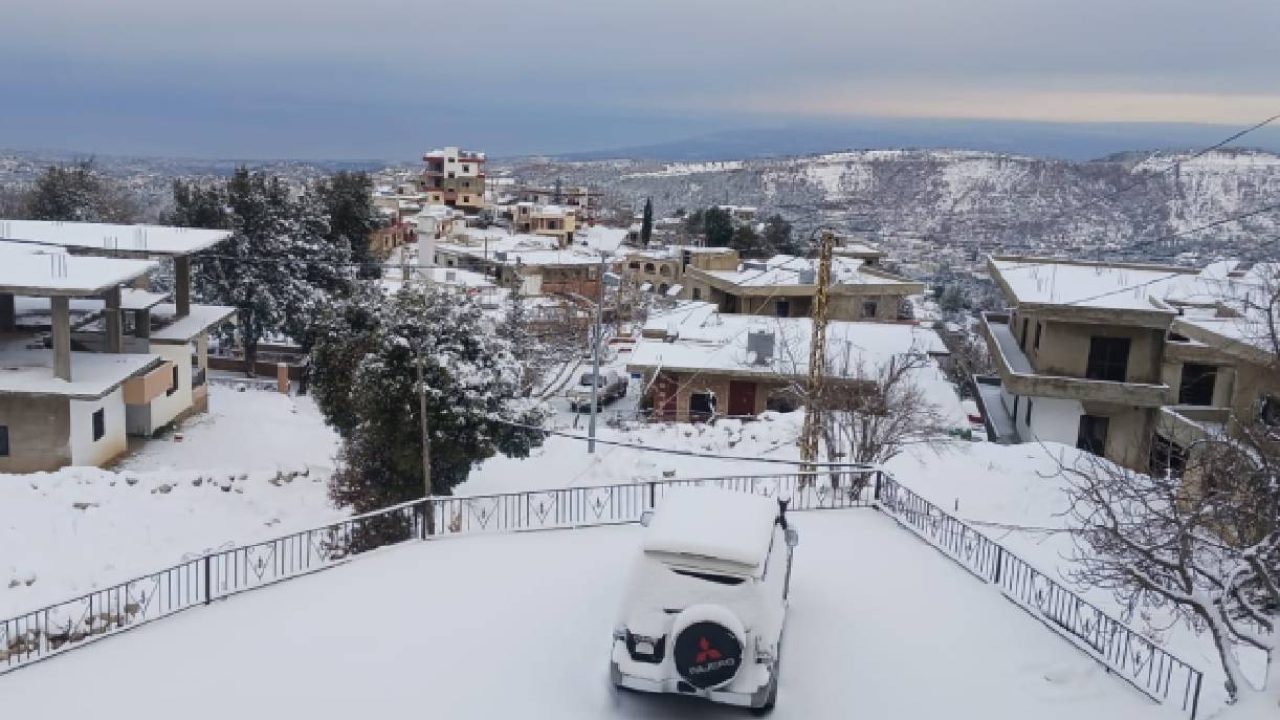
(387, 78)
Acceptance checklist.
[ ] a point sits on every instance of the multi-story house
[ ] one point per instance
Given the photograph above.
(96, 315)
(664, 268)
(454, 178)
(586, 203)
(1127, 361)
(552, 221)
(784, 286)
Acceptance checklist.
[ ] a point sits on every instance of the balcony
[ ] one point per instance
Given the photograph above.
(1020, 378)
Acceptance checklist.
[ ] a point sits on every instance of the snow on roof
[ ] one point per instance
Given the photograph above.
(1113, 287)
(37, 311)
(787, 270)
(199, 320)
(697, 337)
(41, 272)
(733, 527)
(599, 237)
(510, 249)
(147, 240)
(93, 375)
(458, 277)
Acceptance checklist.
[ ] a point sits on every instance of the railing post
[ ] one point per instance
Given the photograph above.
(876, 492)
(1195, 698)
(999, 564)
(208, 579)
(653, 495)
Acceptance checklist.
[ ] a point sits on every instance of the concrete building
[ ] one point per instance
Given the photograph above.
(784, 286)
(538, 265)
(152, 349)
(698, 362)
(587, 204)
(454, 178)
(664, 268)
(552, 221)
(1107, 357)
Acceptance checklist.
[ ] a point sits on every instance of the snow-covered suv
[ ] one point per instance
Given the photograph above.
(707, 599)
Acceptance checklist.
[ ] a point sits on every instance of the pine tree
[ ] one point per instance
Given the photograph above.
(78, 194)
(718, 226)
(364, 369)
(348, 203)
(646, 224)
(777, 235)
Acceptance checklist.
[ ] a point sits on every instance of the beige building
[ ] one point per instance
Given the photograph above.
(1102, 356)
(92, 358)
(784, 286)
(454, 178)
(552, 221)
(664, 268)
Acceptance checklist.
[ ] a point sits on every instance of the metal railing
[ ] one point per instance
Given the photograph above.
(42, 633)
(46, 632)
(1123, 651)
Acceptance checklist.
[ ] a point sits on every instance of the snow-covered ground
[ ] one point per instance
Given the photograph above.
(253, 467)
(519, 626)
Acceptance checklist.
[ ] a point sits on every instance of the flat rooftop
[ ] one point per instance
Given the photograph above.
(24, 371)
(140, 240)
(895, 631)
(29, 270)
(790, 270)
(1111, 287)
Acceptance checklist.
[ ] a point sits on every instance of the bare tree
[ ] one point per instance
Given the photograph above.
(1208, 551)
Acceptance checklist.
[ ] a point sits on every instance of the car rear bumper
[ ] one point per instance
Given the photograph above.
(675, 686)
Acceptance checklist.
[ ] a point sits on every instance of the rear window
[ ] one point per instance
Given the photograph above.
(710, 577)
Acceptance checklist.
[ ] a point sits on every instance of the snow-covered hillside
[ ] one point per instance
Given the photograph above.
(959, 196)
(519, 626)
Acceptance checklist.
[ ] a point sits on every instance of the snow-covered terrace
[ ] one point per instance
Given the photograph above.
(790, 270)
(34, 271)
(519, 626)
(169, 327)
(1038, 281)
(141, 240)
(30, 372)
(523, 249)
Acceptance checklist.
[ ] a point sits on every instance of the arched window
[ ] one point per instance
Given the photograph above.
(648, 267)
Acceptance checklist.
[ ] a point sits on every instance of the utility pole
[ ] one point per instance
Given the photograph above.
(595, 359)
(817, 358)
(426, 448)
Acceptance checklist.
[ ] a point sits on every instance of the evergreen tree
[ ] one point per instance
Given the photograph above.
(718, 227)
(279, 266)
(777, 235)
(364, 370)
(348, 203)
(646, 223)
(750, 244)
(78, 194)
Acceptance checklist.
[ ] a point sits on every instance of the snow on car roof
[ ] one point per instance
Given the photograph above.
(734, 527)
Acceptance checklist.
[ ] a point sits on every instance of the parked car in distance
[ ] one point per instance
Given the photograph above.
(704, 609)
(612, 386)
(977, 428)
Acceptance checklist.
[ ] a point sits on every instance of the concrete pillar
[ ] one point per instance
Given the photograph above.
(142, 323)
(182, 284)
(61, 337)
(114, 340)
(7, 321)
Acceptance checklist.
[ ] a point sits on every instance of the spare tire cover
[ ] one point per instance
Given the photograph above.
(708, 646)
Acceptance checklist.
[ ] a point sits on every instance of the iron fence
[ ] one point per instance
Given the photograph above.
(1151, 669)
(39, 634)
(42, 633)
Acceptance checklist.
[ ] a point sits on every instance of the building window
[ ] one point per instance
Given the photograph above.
(1039, 329)
(702, 406)
(1108, 359)
(1168, 459)
(1027, 420)
(869, 309)
(1197, 383)
(1023, 338)
(648, 267)
(1093, 434)
(4, 441)
(1269, 411)
(697, 293)
(782, 308)
(99, 424)
(634, 265)
(173, 381)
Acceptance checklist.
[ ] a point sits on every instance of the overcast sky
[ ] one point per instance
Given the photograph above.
(387, 78)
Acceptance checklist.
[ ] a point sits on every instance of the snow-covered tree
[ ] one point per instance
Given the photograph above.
(369, 351)
(646, 222)
(348, 203)
(78, 193)
(281, 264)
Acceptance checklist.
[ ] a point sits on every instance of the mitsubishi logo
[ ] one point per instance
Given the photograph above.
(705, 652)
